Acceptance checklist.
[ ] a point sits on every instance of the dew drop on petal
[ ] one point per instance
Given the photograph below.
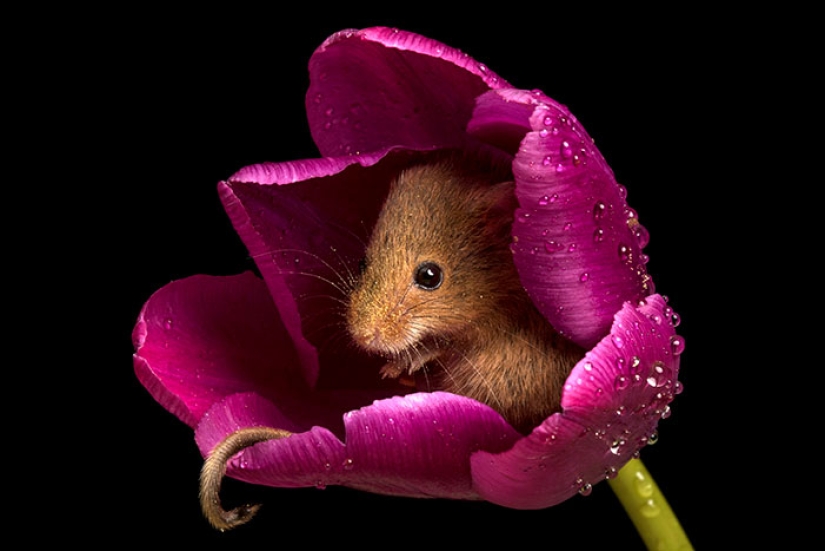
(329, 112)
(584, 277)
(677, 345)
(642, 235)
(621, 382)
(546, 161)
(347, 464)
(622, 191)
(167, 323)
(548, 120)
(653, 438)
(559, 167)
(610, 473)
(565, 149)
(553, 246)
(618, 342)
(635, 365)
(666, 412)
(543, 133)
(678, 387)
(624, 252)
(544, 200)
(572, 248)
(599, 210)
(598, 235)
(586, 489)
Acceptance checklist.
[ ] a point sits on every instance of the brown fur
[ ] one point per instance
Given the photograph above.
(478, 334)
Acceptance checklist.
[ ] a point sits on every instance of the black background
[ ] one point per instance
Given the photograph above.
(177, 105)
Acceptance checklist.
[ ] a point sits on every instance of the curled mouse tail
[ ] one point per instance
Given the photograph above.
(214, 469)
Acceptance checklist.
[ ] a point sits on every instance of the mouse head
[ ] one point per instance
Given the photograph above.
(438, 262)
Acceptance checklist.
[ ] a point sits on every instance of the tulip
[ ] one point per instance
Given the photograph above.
(260, 368)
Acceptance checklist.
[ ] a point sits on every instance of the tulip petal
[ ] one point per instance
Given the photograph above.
(612, 403)
(381, 87)
(577, 244)
(307, 239)
(202, 338)
(416, 445)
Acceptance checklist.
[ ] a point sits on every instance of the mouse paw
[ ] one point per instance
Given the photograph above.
(392, 370)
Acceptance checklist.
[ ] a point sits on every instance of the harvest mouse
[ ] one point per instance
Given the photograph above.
(440, 299)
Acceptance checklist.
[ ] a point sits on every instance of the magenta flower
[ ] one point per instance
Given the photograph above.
(224, 353)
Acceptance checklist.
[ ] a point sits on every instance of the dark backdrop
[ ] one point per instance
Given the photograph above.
(179, 105)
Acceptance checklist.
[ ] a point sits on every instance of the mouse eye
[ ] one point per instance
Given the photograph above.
(428, 276)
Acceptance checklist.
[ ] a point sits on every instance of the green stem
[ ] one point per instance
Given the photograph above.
(648, 509)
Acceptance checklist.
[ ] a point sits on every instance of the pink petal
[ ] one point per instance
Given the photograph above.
(307, 239)
(416, 445)
(202, 338)
(612, 403)
(578, 246)
(379, 87)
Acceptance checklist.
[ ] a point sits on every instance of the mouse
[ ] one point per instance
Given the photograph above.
(439, 299)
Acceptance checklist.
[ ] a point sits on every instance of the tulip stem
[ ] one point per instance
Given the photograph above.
(648, 509)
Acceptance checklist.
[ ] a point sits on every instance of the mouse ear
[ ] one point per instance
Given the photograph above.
(501, 206)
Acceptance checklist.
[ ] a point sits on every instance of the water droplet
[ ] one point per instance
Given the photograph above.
(546, 161)
(320, 485)
(317, 98)
(624, 252)
(675, 320)
(622, 191)
(610, 473)
(649, 509)
(572, 248)
(586, 489)
(644, 486)
(565, 149)
(327, 466)
(635, 365)
(621, 382)
(559, 167)
(568, 226)
(553, 246)
(329, 112)
(544, 200)
(599, 210)
(584, 277)
(482, 67)
(598, 235)
(167, 323)
(658, 376)
(666, 412)
(347, 464)
(327, 125)
(618, 342)
(653, 438)
(543, 132)
(548, 120)
(678, 387)
(642, 235)
(677, 345)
